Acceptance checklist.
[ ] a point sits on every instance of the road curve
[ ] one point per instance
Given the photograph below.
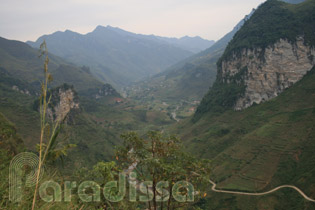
(262, 193)
(134, 165)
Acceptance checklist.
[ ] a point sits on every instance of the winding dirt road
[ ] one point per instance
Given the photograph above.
(134, 165)
(260, 194)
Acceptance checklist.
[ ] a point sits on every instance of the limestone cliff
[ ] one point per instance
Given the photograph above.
(64, 101)
(266, 73)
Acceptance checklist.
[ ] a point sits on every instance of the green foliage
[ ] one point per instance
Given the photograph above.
(9, 140)
(10, 145)
(272, 21)
(221, 97)
(161, 158)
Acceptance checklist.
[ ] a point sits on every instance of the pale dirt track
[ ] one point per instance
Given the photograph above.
(262, 193)
(134, 165)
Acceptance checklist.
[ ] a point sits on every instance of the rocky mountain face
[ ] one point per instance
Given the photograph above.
(266, 73)
(272, 51)
(64, 103)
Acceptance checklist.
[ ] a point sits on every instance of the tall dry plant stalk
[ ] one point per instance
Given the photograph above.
(48, 131)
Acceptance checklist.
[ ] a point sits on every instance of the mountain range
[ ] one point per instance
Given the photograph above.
(120, 57)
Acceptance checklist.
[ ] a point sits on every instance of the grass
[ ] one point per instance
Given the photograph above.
(262, 147)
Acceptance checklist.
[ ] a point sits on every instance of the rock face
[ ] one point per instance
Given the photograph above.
(64, 100)
(267, 73)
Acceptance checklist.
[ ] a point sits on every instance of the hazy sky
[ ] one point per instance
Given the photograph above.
(211, 19)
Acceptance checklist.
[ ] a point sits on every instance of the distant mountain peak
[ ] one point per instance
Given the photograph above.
(68, 31)
(193, 37)
(99, 27)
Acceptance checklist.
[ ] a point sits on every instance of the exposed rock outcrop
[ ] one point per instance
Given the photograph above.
(266, 73)
(64, 101)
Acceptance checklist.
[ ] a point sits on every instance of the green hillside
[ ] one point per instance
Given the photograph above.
(22, 62)
(10, 145)
(262, 147)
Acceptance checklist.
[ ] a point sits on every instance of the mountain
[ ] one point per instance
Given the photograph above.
(97, 114)
(21, 61)
(256, 123)
(115, 56)
(271, 52)
(193, 44)
(185, 83)
(258, 149)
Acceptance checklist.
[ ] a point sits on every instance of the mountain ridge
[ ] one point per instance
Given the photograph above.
(114, 55)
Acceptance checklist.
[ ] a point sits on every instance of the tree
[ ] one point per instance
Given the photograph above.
(162, 160)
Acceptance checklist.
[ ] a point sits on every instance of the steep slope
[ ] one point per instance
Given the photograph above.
(115, 56)
(272, 51)
(268, 144)
(10, 145)
(260, 148)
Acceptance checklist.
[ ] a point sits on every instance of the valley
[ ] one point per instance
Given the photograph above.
(235, 117)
